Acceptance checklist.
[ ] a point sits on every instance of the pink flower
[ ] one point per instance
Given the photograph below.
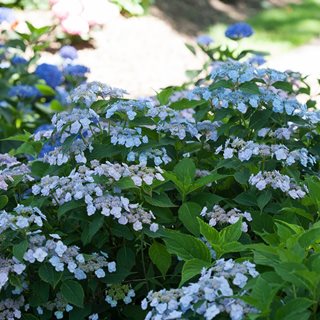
(75, 25)
(95, 11)
(64, 8)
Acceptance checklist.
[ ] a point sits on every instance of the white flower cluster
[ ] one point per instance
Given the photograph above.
(10, 168)
(127, 137)
(218, 215)
(276, 180)
(81, 184)
(280, 133)
(119, 292)
(130, 108)
(247, 149)
(22, 218)
(91, 91)
(61, 256)
(208, 129)
(208, 298)
(159, 156)
(11, 309)
(59, 304)
(8, 266)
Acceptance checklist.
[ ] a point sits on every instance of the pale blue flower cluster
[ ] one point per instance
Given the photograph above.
(159, 156)
(68, 52)
(211, 296)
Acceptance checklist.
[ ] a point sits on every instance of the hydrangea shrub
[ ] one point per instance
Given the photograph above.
(198, 203)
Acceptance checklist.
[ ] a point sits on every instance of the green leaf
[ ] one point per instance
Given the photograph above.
(283, 85)
(66, 207)
(210, 233)
(48, 274)
(192, 268)
(188, 213)
(212, 177)
(186, 104)
(161, 200)
(39, 293)
(264, 199)
(3, 201)
(249, 87)
(20, 249)
(20, 137)
(185, 170)
(185, 246)
(73, 293)
(39, 168)
(165, 94)
(309, 237)
(126, 258)
(45, 90)
(294, 307)
(91, 229)
(160, 257)
(232, 232)
(125, 183)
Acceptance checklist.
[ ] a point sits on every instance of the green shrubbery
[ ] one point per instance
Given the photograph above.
(199, 203)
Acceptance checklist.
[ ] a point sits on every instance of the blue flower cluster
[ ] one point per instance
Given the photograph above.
(238, 31)
(68, 52)
(16, 60)
(23, 91)
(50, 74)
(76, 70)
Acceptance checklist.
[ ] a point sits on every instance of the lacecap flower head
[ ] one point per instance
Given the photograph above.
(238, 31)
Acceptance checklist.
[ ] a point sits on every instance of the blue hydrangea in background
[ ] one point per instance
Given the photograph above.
(238, 31)
(18, 60)
(23, 91)
(257, 60)
(6, 15)
(50, 74)
(76, 70)
(204, 40)
(68, 52)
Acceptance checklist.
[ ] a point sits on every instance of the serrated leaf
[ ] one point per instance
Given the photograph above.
(3, 201)
(73, 292)
(185, 246)
(20, 249)
(188, 213)
(160, 257)
(191, 268)
(161, 200)
(48, 274)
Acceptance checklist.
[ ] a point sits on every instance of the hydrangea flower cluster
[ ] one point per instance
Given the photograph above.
(88, 93)
(62, 257)
(218, 215)
(11, 168)
(245, 150)
(238, 31)
(23, 218)
(118, 292)
(24, 92)
(212, 295)
(80, 184)
(159, 156)
(276, 180)
(10, 309)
